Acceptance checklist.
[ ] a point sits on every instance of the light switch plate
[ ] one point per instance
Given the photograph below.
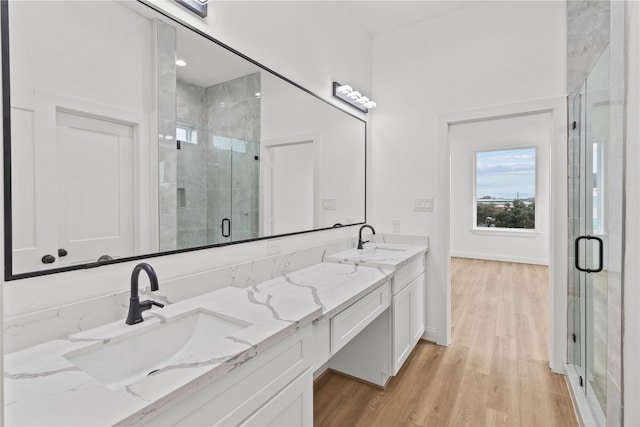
(423, 205)
(395, 225)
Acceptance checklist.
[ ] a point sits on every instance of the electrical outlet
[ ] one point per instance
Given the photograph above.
(423, 205)
(395, 225)
(329, 204)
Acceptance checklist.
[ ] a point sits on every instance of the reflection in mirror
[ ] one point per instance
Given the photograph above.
(148, 137)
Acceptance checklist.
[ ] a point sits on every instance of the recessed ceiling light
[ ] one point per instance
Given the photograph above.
(257, 94)
(181, 63)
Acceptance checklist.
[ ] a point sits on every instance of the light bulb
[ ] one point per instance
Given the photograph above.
(344, 89)
(354, 95)
(181, 63)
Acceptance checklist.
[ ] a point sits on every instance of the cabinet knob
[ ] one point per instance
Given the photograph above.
(62, 252)
(48, 259)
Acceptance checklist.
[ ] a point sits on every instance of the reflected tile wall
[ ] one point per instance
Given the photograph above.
(190, 106)
(166, 69)
(587, 36)
(233, 108)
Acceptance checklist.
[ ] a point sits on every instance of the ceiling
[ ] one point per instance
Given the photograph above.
(374, 17)
(380, 17)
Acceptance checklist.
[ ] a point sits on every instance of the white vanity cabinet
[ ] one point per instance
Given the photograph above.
(275, 388)
(407, 309)
(408, 320)
(407, 314)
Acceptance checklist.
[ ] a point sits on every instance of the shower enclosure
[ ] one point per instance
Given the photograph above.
(217, 188)
(593, 208)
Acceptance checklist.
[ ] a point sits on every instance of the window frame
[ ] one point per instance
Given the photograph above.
(504, 231)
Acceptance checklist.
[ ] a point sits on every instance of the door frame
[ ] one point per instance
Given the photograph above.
(46, 104)
(266, 162)
(558, 227)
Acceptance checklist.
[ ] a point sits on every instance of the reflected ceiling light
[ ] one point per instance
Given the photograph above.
(181, 63)
(352, 97)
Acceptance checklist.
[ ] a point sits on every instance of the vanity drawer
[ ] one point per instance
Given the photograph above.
(404, 275)
(348, 323)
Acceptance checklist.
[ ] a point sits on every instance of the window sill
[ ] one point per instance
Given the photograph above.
(505, 232)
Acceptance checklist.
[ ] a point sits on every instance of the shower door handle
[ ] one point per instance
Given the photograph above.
(226, 221)
(600, 254)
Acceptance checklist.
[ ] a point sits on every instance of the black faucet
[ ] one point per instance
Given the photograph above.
(135, 306)
(360, 242)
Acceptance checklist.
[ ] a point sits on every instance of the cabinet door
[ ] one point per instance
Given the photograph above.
(417, 308)
(292, 406)
(402, 339)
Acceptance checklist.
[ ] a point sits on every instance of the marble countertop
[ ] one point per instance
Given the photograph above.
(42, 387)
(379, 255)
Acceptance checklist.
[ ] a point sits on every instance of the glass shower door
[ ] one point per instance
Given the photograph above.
(591, 235)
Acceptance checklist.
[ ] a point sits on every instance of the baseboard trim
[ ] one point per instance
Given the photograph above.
(430, 334)
(505, 258)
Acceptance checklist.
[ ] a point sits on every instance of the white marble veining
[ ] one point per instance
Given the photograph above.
(43, 387)
(24, 331)
(383, 255)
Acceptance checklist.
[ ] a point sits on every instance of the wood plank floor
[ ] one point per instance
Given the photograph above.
(495, 372)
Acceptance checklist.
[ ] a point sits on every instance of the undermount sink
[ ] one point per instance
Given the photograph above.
(134, 355)
(381, 250)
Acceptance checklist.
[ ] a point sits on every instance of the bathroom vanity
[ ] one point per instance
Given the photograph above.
(407, 290)
(235, 356)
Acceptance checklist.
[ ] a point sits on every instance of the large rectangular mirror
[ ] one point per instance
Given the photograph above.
(132, 134)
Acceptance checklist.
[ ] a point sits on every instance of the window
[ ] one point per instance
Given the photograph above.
(505, 190)
(185, 133)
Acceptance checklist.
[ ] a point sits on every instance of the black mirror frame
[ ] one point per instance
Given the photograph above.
(6, 134)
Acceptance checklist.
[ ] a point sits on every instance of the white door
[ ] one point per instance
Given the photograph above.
(289, 184)
(95, 188)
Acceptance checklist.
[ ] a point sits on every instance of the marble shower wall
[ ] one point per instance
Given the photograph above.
(615, 223)
(233, 108)
(167, 156)
(587, 36)
(192, 167)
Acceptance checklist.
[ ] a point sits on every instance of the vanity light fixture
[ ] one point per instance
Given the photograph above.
(352, 97)
(199, 7)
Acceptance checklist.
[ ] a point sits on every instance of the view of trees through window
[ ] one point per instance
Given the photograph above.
(506, 188)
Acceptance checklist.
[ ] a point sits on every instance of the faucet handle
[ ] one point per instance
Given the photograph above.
(157, 304)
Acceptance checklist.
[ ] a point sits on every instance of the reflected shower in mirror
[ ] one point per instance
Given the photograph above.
(149, 137)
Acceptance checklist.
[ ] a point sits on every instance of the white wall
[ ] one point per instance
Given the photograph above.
(526, 131)
(492, 53)
(303, 42)
(340, 152)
